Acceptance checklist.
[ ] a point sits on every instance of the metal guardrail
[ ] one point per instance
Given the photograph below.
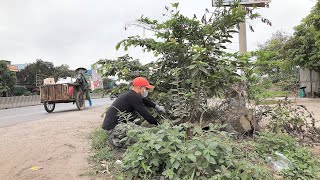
(19, 101)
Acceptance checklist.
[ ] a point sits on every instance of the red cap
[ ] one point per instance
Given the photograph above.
(143, 82)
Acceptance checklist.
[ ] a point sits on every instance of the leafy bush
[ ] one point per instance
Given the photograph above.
(19, 90)
(27, 93)
(167, 152)
(286, 118)
(304, 164)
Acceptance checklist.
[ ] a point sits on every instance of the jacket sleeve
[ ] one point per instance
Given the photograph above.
(148, 102)
(142, 110)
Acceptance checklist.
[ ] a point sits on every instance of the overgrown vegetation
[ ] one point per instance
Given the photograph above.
(304, 165)
(167, 152)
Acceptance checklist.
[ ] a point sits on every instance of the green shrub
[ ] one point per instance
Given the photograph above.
(19, 90)
(27, 93)
(165, 151)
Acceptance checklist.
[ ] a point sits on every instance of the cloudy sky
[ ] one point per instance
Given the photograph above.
(80, 32)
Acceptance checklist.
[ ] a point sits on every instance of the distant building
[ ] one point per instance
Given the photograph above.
(11, 68)
(310, 80)
(96, 81)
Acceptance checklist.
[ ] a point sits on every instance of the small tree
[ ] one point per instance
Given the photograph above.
(191, 65)
(304, 46)
(272, 59)
(7, 78)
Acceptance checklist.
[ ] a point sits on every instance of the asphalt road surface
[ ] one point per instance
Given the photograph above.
(11, 117)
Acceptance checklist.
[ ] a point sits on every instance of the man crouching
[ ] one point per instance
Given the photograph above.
(132, 101)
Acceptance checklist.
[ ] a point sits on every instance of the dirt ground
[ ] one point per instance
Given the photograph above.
(60, 145)
(312, 105)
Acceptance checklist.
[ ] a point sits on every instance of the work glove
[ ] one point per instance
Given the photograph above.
(160, 109)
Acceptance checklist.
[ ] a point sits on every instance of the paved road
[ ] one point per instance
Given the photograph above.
(11, 117)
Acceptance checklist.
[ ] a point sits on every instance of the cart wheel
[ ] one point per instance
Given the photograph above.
(80, 100)
(49, 107)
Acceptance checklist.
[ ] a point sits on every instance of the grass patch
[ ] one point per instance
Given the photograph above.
(268, 102)
(279, 93)
(273, 94)
(103, 157)
(101, 151)
(102, 154)
(98, 139)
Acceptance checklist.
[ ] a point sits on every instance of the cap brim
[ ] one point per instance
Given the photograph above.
(150, 87)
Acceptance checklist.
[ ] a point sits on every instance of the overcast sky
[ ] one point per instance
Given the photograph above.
(80, 32)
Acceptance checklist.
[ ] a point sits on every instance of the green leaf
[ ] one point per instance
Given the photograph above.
(118, 45)
(155, 161)
(197, 153)
(204, 70)
(195, 73)
(192, 66)
(213, 145)
(175, 5)
(196, 56)
(176, 165)
(192, 157)
(157, 146)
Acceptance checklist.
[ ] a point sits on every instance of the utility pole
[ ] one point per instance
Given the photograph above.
(242, 25)
(242, 37)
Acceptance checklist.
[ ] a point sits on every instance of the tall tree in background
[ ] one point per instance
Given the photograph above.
(273, 60)
(304, 46)
(63, 71)
(7, 78)
(28, 75)
(43, 69)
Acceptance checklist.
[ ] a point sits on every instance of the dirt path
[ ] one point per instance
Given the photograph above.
(59, 145)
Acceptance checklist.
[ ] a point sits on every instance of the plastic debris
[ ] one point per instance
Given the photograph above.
(118, 162)
(279, 162)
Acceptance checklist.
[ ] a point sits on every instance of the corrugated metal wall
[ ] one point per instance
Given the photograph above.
(308, 78)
